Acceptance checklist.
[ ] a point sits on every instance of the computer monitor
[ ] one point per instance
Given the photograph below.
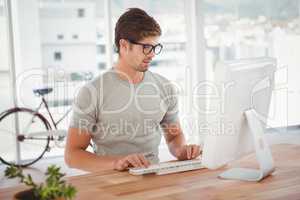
(239, 109)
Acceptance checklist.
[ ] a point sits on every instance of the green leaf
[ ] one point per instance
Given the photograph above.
(53, 187)
(13, 172)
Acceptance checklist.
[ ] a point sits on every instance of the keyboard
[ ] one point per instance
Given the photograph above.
(168, 167)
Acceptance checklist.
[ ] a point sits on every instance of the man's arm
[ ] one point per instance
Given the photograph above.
(177, 144)
(76, 155)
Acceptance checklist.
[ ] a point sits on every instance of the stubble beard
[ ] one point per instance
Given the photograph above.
(141, 68)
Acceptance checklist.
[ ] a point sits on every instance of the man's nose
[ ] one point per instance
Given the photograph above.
(151, 54)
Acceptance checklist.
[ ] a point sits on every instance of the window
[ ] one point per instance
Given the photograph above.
(247, 29)
(60, 36)
(101, 49)
(50, 20)
(81, 12)
(101, 66)
(75, 36)
(99, 35)
(176, 46)
(57, 56)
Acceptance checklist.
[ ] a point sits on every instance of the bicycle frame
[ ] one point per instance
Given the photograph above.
(50, 115)
(44, 102)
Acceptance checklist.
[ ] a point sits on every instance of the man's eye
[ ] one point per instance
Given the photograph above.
(147, 46)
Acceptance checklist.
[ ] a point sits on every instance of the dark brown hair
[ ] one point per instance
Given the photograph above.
(135, 24)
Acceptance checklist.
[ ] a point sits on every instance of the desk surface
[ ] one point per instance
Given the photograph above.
(198, 184)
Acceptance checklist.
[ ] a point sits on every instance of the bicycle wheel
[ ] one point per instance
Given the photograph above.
(32, 136)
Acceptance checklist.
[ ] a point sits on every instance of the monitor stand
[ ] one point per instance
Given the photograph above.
(262, 150)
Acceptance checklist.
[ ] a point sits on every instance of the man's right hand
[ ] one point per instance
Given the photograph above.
(132, 160)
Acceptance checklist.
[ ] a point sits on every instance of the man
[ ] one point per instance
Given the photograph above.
(124, 110)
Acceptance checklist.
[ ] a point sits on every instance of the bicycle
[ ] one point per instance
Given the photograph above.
(33, 140)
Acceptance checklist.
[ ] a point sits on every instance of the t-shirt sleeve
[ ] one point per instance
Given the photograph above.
(171, 101)
(84, 113)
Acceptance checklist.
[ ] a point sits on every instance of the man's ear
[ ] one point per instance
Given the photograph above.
(123, 44)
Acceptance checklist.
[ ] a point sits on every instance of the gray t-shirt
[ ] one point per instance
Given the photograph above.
(125, 118)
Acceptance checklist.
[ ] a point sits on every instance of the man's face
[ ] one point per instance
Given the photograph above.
(137, 55)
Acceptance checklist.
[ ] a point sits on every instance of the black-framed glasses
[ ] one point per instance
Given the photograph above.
(148, 48)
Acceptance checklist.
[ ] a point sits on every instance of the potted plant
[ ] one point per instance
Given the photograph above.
(54, 187)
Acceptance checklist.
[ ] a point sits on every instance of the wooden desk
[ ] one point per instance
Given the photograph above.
(198, 184)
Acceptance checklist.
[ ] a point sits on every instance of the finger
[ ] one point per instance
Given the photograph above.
(199, 150)
(125, 165)
(188, 151)
(192, 151)
(196, 151)
(121, 165)
(138, 160)
(179, 153)
(144, 161)
(133, 161)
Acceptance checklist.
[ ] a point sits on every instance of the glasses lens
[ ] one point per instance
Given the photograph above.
(157, 49)
(147, 49)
